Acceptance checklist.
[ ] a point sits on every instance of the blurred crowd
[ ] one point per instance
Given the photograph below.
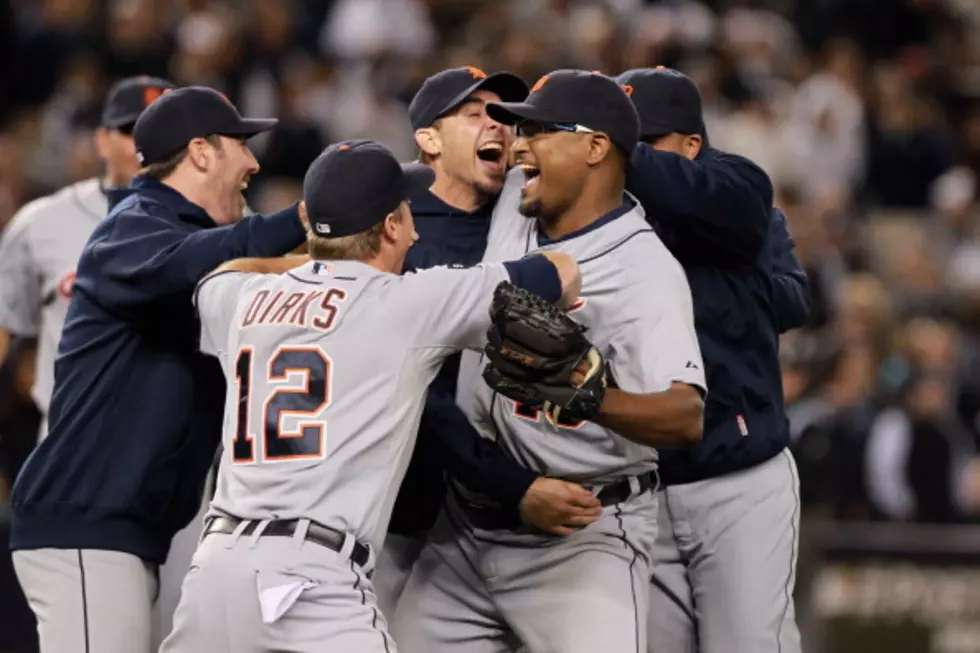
(865, 113)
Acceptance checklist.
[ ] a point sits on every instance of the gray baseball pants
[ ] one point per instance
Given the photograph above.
(89, 601)
(724, 563)
(258, 594)
(489, 591)
(395, 563)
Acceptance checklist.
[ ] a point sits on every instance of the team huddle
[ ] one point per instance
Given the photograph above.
(521, 395)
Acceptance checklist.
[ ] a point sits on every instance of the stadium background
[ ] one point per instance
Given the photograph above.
(866, 114)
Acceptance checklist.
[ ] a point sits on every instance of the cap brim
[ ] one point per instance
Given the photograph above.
(511, 113)
(250, 127)
(507, 86)
(121, 121)
(418, 178)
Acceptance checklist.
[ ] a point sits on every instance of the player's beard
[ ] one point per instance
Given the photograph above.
(530, 208)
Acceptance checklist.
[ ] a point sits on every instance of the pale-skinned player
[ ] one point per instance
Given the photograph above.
(485, 582)
(38, 256)
(43, 241)
(135, 414)
(327, 365)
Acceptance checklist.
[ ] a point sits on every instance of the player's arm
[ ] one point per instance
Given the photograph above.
(550, 504)
(719, 199)
(458, 300)
(274, 265)
(20, 282)
(791, 288)
(657, 375)
(146, 257)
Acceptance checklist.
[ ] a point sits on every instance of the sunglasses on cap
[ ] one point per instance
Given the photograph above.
(532, 128)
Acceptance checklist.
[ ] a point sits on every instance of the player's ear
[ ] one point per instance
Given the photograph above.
(600, 147)
(101, 141)
(691, 146)
(390, 230)
(429, 141)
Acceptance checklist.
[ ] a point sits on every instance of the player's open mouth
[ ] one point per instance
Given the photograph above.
(491, 152)
(531, 175)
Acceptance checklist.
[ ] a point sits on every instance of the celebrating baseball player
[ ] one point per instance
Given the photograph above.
(38, 255)
(42, 243)
(135, 415)
(467, 151)
(725, 555)
(318, 427)
(588, 410)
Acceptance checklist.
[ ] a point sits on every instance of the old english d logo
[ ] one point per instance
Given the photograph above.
(627, 89)
(476, 72)
(538, 84)
(152, 93)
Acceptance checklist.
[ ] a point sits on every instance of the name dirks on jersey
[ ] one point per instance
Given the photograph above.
(313, 308)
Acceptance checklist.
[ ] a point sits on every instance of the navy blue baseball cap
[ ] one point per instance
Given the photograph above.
(353, 185)
(667, 100)
(447, 90)
(576, 97)
(177, 117)
(128, 97)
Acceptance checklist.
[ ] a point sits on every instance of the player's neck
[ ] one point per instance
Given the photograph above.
(192, 190)
(589, 208)
(457, 193)
(383, 263)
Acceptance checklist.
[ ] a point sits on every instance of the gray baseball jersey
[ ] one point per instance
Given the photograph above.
(485, 588)
(636, 303)
(38, 253)
(328, 367)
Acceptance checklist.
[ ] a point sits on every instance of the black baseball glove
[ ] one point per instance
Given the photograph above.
(534, 347)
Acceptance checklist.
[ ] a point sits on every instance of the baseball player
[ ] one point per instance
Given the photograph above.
(467, 151)
(327, 367)
(38, 253)
(43, 241)
(95, 509)
(484, 583)
(725, 555)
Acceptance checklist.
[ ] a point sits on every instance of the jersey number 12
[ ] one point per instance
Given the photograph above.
(307, 398)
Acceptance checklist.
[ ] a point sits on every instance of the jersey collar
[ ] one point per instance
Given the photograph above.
(629, 203)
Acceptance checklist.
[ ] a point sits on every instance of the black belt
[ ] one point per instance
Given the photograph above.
(494, 518)
(317, 533)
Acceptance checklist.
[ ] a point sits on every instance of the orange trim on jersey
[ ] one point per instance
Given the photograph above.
(268, 308)
(578, 305)
(280, 315)
(326, 322)
(247, 401)
(302, 426)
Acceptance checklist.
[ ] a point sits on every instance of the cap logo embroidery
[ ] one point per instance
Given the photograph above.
(343, 147)
(152, 93)
(538, 84)
(322, 228)
(628, 89)
(476, 72)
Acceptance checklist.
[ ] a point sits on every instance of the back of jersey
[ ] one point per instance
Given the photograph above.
(327, 369)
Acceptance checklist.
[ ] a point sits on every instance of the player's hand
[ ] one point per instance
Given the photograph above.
(559, 507)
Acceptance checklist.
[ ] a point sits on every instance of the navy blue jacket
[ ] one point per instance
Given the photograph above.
(136, 412)
(446, 440)
(715, 215)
